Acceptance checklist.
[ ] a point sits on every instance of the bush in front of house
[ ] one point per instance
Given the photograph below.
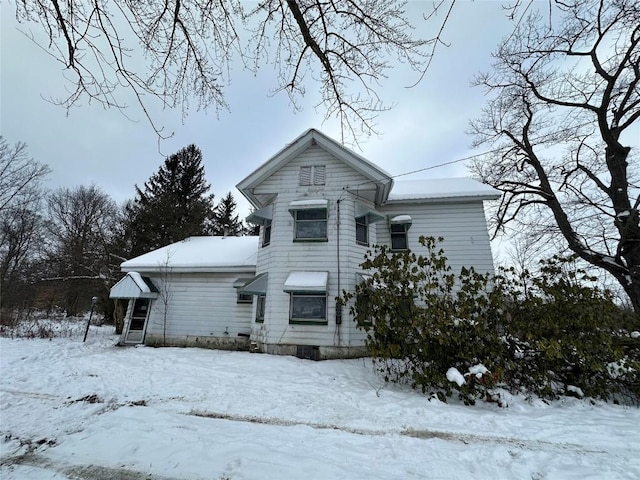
(468, 333)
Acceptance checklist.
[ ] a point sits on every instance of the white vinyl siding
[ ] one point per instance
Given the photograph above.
(312, 175)
(462, 225)
(200, 305)
(284, 256)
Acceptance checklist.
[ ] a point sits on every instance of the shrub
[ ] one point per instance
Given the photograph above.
(469, 332)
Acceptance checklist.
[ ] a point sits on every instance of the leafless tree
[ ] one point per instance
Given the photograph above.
(179, 51)
(80, 226)
(564, 105)
(20, 221)
(20, 176)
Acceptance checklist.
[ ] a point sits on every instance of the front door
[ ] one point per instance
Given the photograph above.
(138, 320)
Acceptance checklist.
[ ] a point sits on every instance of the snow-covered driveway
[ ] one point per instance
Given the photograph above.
(80, 411)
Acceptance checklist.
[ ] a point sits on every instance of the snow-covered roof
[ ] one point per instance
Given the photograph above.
(134, 285)
(441, 188)
(200, 254)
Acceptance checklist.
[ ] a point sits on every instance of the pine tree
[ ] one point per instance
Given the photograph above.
(228, 222)
(173, 205)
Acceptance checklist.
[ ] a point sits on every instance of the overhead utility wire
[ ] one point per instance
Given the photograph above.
(481, 154)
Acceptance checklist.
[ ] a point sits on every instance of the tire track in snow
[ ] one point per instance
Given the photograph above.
(424, 434)
(79, 472)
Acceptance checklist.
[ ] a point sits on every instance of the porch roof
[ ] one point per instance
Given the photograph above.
(134, 285)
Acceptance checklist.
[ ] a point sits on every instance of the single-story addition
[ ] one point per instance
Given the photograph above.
(320, 207)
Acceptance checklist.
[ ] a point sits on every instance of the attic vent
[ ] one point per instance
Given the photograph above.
(313, 175)
(308, 352)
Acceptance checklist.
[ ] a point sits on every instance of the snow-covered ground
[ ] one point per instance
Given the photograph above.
(73, 410)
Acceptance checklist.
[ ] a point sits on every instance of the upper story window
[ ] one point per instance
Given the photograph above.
(398, 228)
(311, 224)
(312, 175)
(266, 233)
(365, 215)
(263, 217)
(310, 219)
(362, 230)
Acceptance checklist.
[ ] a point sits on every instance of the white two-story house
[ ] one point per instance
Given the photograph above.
(320, 207)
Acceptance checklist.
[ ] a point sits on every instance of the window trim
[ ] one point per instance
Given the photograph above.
(266, 233)
(405, 222)
(365, 223)
(243, 297)
(296, 223)
(261, 301)
(308, 321)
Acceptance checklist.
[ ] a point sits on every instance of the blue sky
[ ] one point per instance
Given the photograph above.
(426, 126)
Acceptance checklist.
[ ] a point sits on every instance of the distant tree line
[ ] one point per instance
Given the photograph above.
(60, 248)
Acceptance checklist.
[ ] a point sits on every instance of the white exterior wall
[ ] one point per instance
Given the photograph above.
(202, 310)
(462, 225)
(283, 255)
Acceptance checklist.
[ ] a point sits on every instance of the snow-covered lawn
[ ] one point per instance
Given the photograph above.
(73, 410)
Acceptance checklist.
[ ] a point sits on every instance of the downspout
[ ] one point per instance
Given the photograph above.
(338, 306)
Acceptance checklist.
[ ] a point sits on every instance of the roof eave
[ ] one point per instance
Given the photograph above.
(449, 199)
(190, 269)
(382, 179)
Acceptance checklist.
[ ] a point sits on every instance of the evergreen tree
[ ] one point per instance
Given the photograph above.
(173, 205)
(227, 220)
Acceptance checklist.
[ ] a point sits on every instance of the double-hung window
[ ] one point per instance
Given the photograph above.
(362, 230)
(310, 220)
(263, 217)
(398, 229)
(260, 304)
(266, 233)
(365, 215)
